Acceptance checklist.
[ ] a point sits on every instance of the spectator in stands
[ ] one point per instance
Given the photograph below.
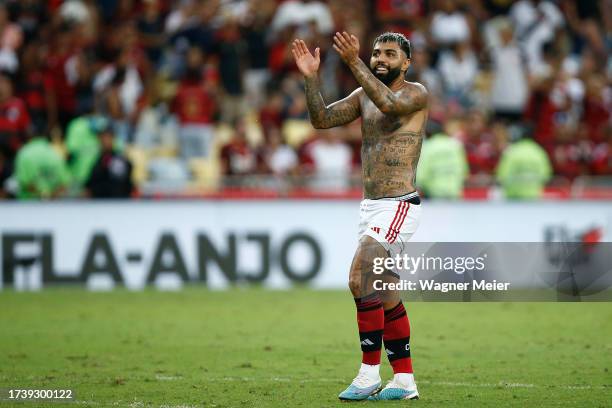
(14, 118)
(255, 28)
(330, 161)
(35, 86)
(195, 106)
(280, 60)
(40, 171)
(524, 169)
(151, 30)
(585, 19)
(601, 163)
(510, 83)
(536, 23)
(597, 108)
(119, 86)
(238, 158)
(271, 115)
(300, 12)
(193, 24)
(458, 68)
(182, 17)
(399, 14)
(481, 144)
(11, 38)
(83, 147)
(278, 158)
(62, 46)
(111, 176)
(572, 153)
(421, 71)
(542, 109)
(81, 78)
(442, 167)
(231, 47)
(294, 101)
(449, 26)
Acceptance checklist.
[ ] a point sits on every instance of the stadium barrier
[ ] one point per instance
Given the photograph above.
(274, 243)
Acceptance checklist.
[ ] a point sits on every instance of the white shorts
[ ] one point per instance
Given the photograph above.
(390, 222)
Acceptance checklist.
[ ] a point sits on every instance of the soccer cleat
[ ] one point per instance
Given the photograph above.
(360, 389)
(395, 391)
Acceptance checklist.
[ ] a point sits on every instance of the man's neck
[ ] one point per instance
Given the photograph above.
(397, 83)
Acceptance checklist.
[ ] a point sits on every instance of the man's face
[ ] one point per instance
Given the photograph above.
(388, 61)
(107, 140)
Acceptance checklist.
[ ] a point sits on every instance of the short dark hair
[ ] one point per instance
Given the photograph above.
(398, 38)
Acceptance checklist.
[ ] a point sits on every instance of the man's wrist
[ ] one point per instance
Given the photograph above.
(310, 77)
(353, 62)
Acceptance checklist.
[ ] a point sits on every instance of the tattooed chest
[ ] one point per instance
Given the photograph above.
(383, 137)
(399, 149)
(389, 160)
(375, 126)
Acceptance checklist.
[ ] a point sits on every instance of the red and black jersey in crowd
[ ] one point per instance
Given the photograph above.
(14, 124)
(596, 118)
(572, 159)
(541, 112)
(601, 163)
(193, 104)
(33, 90)
(482, 156)
(65, 92)
(270, 118)
(239, 158)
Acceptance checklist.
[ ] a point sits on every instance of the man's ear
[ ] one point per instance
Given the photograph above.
(406, 65)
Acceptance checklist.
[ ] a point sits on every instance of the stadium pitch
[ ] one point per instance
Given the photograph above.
(257, 348)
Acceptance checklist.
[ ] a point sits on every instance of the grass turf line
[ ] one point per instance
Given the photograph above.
(257, 348)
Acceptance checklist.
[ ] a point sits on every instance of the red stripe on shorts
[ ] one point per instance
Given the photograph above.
(397, 213)
(400, 223)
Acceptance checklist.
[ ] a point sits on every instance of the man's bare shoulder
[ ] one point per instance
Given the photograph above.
(358, 92)
(415, 88)
(417, 93)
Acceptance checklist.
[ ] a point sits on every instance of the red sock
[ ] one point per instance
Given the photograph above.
(397, 339)
(371, 321)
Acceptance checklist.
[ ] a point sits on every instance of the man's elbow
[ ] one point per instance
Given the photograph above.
(400, 109)
(389, 105)
(316, 125)
(391, 108)
(320, 125)
(388, 109)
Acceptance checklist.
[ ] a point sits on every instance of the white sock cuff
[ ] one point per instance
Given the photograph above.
(405, 380)
(372, 371)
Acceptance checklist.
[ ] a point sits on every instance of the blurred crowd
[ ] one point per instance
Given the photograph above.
(115, 98)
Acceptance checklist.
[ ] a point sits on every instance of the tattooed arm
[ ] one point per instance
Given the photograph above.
(321, 115)
(410, 99)
(338, 113)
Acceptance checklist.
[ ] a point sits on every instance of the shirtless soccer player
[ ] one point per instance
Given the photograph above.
(393, 114)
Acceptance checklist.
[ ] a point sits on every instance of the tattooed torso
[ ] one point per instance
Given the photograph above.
(390, 149)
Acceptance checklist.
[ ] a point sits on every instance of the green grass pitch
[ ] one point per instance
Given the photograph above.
(257, 348)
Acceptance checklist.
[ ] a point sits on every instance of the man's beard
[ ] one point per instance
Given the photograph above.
(389, 77)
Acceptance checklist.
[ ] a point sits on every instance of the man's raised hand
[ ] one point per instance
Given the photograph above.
(347, 45)
(306, 63)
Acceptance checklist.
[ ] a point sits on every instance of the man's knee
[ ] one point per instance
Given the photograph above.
(361, 275)
(355, 286)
